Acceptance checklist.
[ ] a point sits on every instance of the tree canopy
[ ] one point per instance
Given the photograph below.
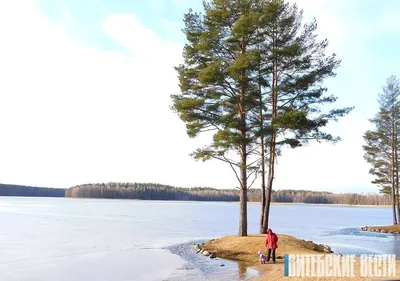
(382, 143)
(253, 75)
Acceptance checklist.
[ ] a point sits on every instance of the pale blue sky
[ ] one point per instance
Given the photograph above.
(165, 18)
(80, 75)
(365, 34)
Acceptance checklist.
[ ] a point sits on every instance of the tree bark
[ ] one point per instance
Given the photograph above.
(272, 146)
(243, 154)
(243, 180)
(243, 197)
(263, 199)
(271, 174)
(394, 189)
(396, 166)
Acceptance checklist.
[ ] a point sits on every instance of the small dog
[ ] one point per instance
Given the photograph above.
(263, 258)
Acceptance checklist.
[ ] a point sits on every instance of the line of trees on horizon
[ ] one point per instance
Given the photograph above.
(30, 191)
(152, 191)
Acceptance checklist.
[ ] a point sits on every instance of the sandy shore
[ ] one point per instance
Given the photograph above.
(244, 250)
(395, 229)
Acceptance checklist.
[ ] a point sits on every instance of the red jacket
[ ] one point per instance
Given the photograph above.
(271, 240)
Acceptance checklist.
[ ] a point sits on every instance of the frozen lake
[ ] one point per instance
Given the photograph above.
(64, 239)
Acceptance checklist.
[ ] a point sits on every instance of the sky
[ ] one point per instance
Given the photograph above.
(85, 94)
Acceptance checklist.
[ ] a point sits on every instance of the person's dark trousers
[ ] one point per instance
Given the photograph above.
(273, 255)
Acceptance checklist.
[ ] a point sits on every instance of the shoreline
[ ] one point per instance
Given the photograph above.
(322, 204)
(244, 251)
(198, 201)
(392, 229)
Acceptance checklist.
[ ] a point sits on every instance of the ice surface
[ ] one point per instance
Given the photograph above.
(61, 239)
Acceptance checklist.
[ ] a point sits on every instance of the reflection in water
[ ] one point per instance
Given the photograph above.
(396, 246)
(242, 271)
(199, 267)
(354, 232)
(358, 242)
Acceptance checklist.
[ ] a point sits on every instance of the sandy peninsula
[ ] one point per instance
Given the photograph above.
(244, 250)
(395, 229)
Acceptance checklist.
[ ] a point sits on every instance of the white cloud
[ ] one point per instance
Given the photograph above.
(73, 114)
(329, 167)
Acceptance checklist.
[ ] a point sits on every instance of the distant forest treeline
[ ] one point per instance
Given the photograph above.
(30, 191)
(151, 191)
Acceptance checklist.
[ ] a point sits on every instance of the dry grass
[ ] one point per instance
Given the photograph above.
(389, 228)
(244, 250)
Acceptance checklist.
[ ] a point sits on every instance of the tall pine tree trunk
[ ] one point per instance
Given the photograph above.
(263, 199)
(243, 160)
(243, 177)
(394, 201)
(398, 203)
(271, 174)
(243, 195)
(243, 181)
(272, 147)
(396, 166)
(393, 160)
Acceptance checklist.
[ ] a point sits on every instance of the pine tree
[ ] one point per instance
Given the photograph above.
(382, 143)
(296, 65)
(254, 75)
(218, 82)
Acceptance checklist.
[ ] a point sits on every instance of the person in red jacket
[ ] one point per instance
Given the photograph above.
(271, 242)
